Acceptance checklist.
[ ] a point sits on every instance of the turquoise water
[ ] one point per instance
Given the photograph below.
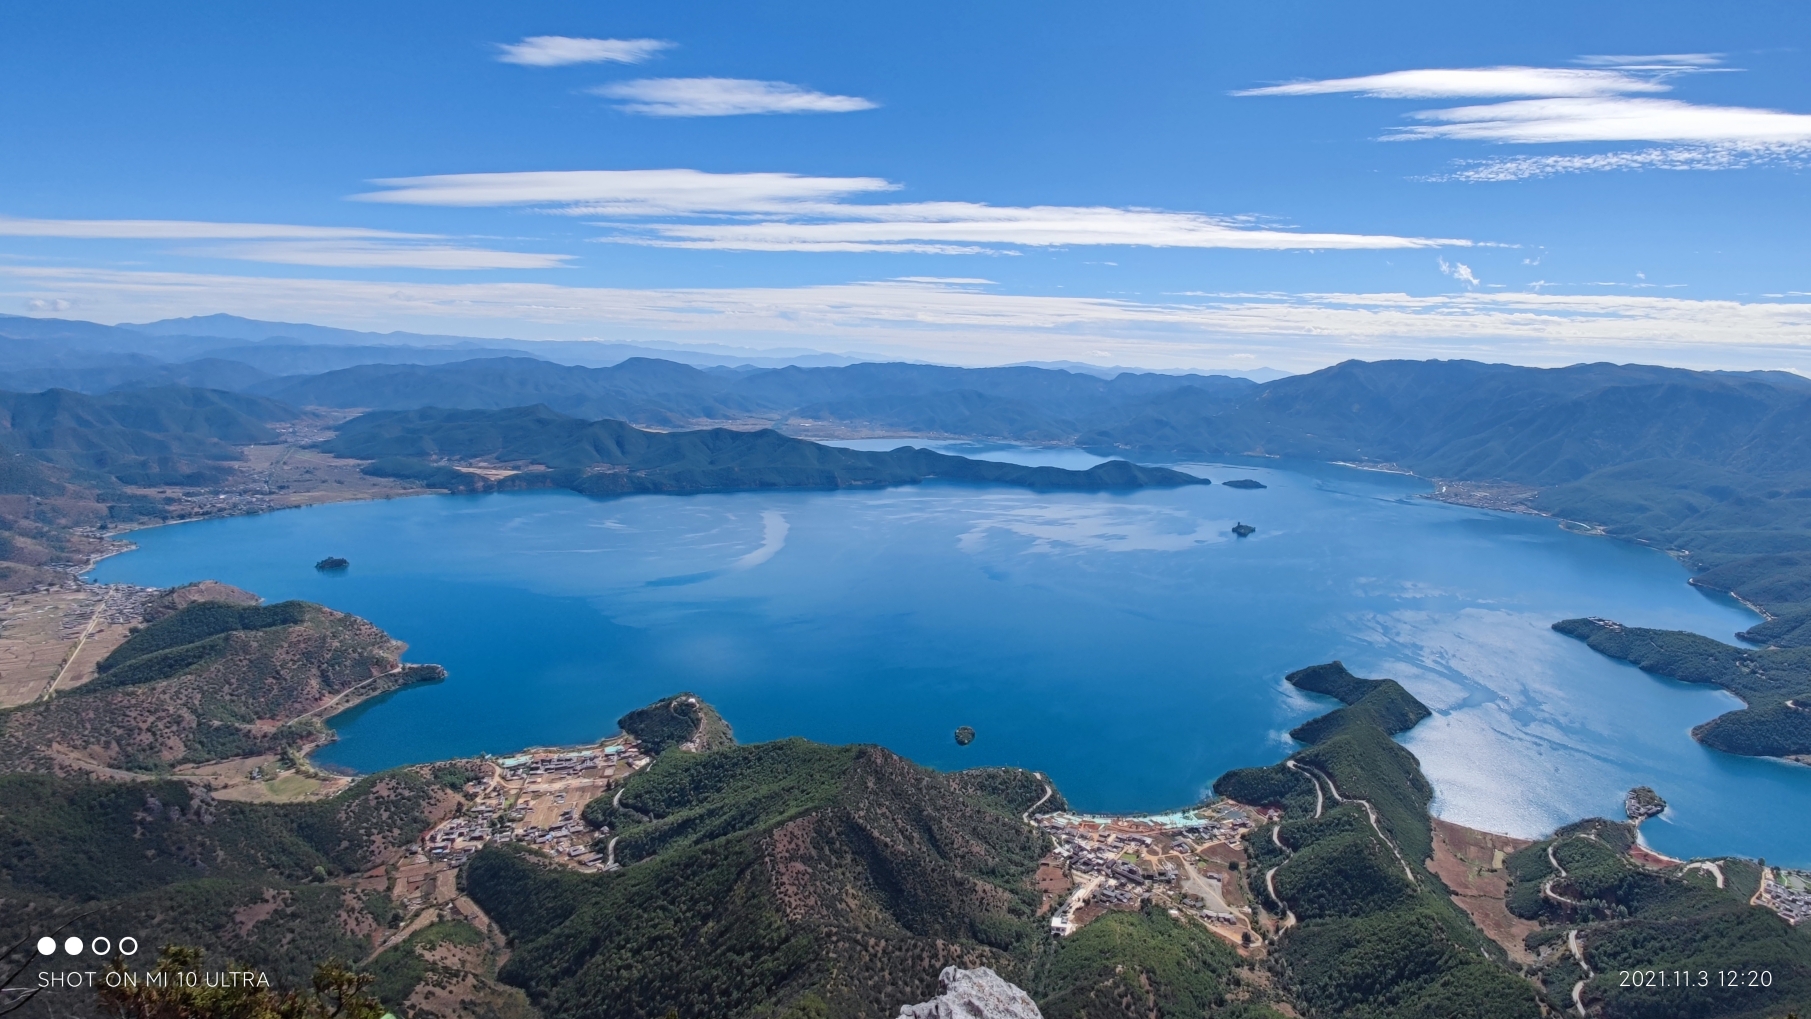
(1125, 644)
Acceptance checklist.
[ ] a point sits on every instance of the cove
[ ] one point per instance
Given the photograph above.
(1126, 644)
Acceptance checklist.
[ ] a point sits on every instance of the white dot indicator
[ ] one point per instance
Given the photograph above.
(47, 946)
(73, 946)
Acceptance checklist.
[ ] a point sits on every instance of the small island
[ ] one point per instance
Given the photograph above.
(1643, 802)
(1244, 530)
(331, 563)
(1244, 483)
(965, 734)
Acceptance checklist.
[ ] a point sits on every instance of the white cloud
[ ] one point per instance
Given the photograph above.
(182, 229)
(1549, 105)
(343, 247)
(1471, 82)
(561, 50)
(1459, 271)
(961, 324)
(785, 212)
(1612, 119)
(724, 97)
(625, 192)
(370, 255)
(963, 227)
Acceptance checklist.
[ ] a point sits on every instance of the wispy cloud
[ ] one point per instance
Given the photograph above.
(1610, 100)
(342, 247)
(373, 255)
(624, 192)
(1459, 271)
(183, 229)
(1611, 119)
(783, 212)
(1709, 157)
(723, 97)
(1652, 61)
(561, 50)
(1469, 83)
(965, 324)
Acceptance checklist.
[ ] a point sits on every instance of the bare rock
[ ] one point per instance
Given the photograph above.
(977, 993)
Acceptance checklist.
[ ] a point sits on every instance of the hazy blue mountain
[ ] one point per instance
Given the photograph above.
(203, 373)
(1025, 404)
(592, 353)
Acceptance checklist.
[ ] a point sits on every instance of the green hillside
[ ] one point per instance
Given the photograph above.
(766, 878)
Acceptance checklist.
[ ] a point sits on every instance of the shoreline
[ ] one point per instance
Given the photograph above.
(343, 707)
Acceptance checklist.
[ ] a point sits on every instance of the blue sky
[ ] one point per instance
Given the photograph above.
(1206, 184)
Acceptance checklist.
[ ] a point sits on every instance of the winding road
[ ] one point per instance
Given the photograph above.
(1049, 791)
(1318, 776)
(1577, 946)
(1547, 891)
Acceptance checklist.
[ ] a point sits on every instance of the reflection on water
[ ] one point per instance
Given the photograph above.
(1126, 644)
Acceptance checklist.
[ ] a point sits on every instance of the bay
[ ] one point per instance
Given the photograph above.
(1126, 644)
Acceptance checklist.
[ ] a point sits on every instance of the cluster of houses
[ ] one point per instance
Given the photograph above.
(1117, 862)
(1788, 893)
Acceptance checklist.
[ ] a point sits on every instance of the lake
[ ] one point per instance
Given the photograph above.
(1126, 644)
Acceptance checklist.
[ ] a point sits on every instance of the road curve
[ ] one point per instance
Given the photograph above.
(1577, 946)
(1370, 812)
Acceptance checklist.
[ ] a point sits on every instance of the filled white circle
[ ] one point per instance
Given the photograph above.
(73, 946)
(47, 946)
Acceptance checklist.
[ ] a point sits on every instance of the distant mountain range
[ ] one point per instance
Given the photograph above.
(1715, 466)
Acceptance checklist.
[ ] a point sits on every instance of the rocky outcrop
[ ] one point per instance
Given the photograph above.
(977, 993)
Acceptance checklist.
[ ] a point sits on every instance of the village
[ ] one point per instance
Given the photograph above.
(1189, 862)
(1786, 892)
(534, 798)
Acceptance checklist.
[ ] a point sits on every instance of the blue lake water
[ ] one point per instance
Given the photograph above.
(1125, 644)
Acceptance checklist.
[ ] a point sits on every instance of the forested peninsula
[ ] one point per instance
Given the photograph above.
(539, 448)
(1774, 682)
